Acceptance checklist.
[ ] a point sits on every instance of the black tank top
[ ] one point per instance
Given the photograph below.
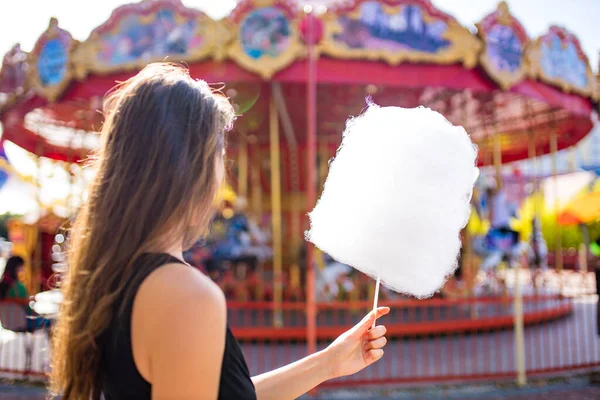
(121, 378)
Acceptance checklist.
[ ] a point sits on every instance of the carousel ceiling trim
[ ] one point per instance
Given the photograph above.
(50, 71)
(153, 30)
(392, 31)
(505, 43)
(267, 36)
(557, 58)
(274, 50)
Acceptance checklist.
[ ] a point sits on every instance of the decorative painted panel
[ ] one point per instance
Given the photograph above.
(137, 34)
(505, 42)
(267, 33)
(50, 61)
(557, 58)
(397, 31)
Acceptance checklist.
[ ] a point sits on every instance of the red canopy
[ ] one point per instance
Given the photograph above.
(399, 52)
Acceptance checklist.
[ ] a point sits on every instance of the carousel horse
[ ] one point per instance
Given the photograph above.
(499, 246)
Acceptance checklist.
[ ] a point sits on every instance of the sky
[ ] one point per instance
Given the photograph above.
(24, 20)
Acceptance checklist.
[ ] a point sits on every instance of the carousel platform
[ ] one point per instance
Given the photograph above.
(408, 318)
(487, 311)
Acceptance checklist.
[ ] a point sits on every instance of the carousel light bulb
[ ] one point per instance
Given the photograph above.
(231, 93)
(396, 198)
(371, 89)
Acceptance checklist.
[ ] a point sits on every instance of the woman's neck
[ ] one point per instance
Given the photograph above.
(173, 250)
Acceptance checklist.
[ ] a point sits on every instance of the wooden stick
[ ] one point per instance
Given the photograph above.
(375, 298)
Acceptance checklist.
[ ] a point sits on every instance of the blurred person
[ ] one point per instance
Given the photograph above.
(136, 321)
(14, 290)
(252, 239)
(11, 287)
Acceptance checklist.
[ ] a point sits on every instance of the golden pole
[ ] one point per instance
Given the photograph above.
(558, 239)
(519, 324)
(276, 210)
(37, 264)
(243, 168)
(256, 184)
(469, 272)
(532, 155)
(71, 172)
(533, 181)
(323, 166)
(295, 200)
(322, 169)
(497, 158)
(518, 297)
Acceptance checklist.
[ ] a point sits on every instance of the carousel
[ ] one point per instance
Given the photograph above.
(295, 74)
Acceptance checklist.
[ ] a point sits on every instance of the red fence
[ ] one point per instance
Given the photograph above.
(439, 340)
(435, 340)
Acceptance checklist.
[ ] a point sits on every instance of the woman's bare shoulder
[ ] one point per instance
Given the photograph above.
(176, 286)
(172, 311)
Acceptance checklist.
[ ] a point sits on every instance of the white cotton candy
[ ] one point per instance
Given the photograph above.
(396, 198)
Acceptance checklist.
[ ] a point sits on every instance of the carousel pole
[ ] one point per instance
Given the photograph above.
(322, 169)
(243, 167)
(497, 157)
(276, 210)
(37, 264)
(533, 179)
(311, 144)
(518, 297)
(468, 264)
(255, 180)
(519, 325)
(294, 177)
(497, 160)
(69, 167)
(558, 263)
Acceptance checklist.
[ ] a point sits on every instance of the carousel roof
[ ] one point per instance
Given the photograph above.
(399, 52)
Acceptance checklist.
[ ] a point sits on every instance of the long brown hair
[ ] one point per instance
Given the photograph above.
(155, 181)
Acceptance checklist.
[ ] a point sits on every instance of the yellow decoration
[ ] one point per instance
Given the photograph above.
(477, 226)
(464, 47)
(225, 193)
(532, 205)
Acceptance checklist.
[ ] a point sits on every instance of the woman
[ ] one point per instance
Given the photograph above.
(137, 322)
(11, 286)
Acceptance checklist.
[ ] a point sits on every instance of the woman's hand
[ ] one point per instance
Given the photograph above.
(351, 352)
(358, 347)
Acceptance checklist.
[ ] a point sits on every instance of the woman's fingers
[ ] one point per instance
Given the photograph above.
(374, 355)
(366, 323)
(376, 332)
(376, 344)
(381, 311)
